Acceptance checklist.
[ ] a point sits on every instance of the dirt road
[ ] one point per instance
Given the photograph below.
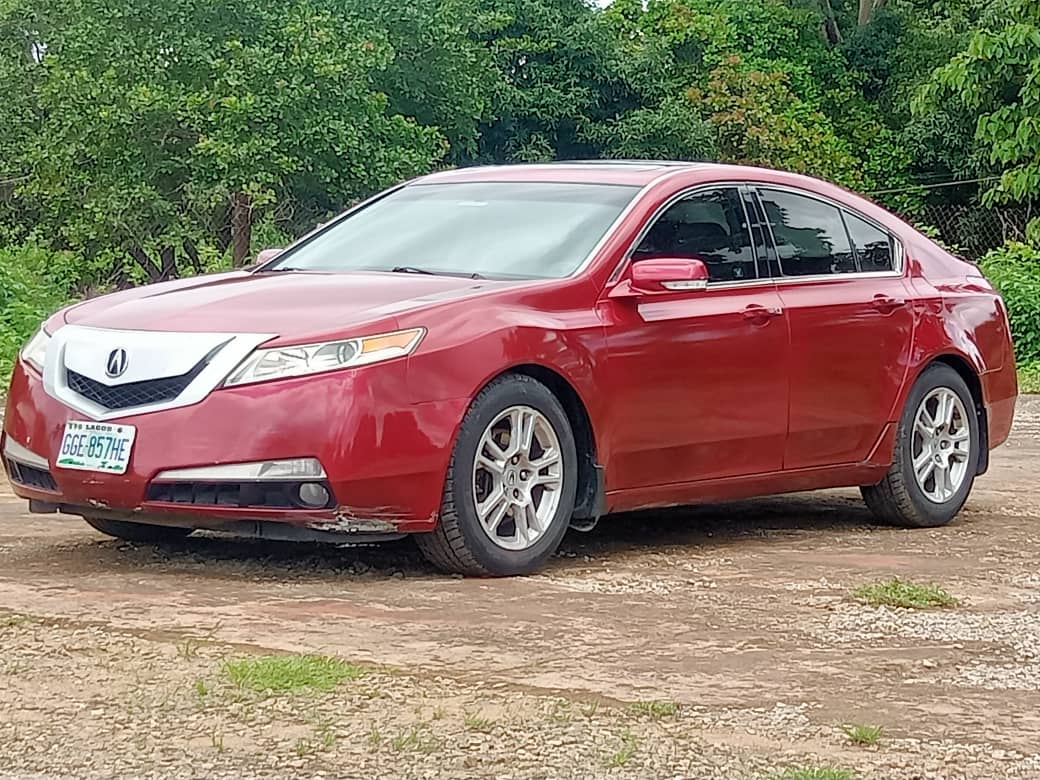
(714, 642)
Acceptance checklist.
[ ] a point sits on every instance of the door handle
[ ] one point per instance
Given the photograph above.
(885, 304)
(761, 313)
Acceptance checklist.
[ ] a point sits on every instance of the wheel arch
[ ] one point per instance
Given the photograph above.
(591, 495)
(967, 372)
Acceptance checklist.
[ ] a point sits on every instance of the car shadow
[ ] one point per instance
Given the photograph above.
(214, 556)
(722, 524)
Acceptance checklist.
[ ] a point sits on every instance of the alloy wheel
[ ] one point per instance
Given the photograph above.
(941, 445)
(517, 477)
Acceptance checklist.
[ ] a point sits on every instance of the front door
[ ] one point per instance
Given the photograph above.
(698, 378)
(851, 327)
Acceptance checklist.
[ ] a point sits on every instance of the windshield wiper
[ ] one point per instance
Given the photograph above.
(411, 269)
(282, 269)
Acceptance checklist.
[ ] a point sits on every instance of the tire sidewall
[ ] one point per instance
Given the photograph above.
(509, 392)
(937, 377)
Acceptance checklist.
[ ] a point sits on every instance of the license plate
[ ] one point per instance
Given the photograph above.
(96, 446)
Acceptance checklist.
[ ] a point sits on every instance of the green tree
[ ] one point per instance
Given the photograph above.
(559, 73)
(997, 76)
(157, 121)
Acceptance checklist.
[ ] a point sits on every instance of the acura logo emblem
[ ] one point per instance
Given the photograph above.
(117, 361)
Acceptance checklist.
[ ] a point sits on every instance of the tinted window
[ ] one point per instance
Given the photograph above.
(507, 229)
(710, 226)
(873, 246)
(809, 234)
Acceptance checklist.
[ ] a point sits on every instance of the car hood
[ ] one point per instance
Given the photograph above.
(290, 305)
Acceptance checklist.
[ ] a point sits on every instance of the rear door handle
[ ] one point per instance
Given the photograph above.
(761, 313)
(885, 304)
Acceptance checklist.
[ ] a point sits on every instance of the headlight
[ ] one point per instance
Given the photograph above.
(283, 362)
(35, 352)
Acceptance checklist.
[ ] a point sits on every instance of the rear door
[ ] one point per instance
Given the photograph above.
(840, 279)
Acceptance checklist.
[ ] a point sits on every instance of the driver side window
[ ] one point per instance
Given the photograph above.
(710, 226)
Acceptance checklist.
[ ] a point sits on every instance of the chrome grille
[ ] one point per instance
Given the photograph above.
(131, 394)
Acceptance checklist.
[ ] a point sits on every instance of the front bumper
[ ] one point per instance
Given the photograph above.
(385, 457)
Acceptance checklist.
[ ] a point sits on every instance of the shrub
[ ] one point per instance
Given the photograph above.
(1014, 269)
(34, 282)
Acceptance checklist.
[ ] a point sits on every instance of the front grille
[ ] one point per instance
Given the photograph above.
(30, 476)
(260, 495)
(130, 394)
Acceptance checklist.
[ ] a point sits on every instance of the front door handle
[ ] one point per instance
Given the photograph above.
(758, 313)
(885, 304)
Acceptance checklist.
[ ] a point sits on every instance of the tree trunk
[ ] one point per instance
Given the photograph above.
(830, 23)
(867, 9)
(241, 228)
(169, 263)
(154, 272)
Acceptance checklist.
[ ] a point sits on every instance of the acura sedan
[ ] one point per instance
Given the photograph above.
(483, 358)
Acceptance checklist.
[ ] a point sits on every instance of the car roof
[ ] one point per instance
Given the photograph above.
(631, 172)
(637, 173)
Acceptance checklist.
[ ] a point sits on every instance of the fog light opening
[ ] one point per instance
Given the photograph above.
(313, 495)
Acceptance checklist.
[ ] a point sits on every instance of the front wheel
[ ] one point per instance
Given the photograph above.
(137, 532)
(936, 455)
(511, 482)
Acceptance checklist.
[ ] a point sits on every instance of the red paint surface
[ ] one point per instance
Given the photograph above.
(692, 395)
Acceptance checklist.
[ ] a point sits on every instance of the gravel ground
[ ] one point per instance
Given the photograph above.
(736, 617)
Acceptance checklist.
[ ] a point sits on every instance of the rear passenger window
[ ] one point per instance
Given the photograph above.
(809, 235)
(874, 247)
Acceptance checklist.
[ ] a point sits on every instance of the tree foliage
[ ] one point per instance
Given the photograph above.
(169, 137)
(997, 77)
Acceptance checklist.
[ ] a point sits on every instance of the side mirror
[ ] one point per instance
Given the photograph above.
(266, 255)
(658, 276)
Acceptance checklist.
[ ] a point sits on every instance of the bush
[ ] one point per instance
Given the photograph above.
(1014, 269)
(34, 282)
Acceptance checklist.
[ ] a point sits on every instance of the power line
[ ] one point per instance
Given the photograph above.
(934, 186)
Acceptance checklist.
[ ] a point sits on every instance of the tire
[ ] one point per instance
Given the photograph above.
(899, 498)
(462, 543)
(137, 532)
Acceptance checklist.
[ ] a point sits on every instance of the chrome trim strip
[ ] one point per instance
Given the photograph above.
(236, 347)
(23, 455)
(240, 472)
(900, 255)
(897, 260)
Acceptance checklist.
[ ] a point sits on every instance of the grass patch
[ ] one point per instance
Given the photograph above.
(897, 592)
(476, 722)
(862, 734)
(415, 739)
(560, 711)
(654, 709)
(285, 673)
(375, 737)
(813, 773)
(629, 745)
(1029, 377)
(326, 734)
(589, 710)
(188, 649)
(12, 621)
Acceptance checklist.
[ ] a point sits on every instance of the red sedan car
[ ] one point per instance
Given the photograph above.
(485, 357)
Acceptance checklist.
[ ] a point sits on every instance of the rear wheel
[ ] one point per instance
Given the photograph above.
(137, 532)
(510, 488)
(936, 455)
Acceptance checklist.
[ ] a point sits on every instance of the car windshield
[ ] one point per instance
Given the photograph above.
(492, 229)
